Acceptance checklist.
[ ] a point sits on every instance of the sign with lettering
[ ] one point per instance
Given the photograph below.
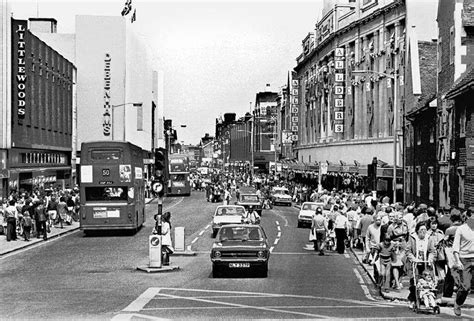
(339, 103)
(106, 116)
(19, 28)
(294, 110)
(339, 64)
(339, 90)
(294, 119)
(339, 128)
(339, 52)
(339, 115)
(339, 77)
(294, 128)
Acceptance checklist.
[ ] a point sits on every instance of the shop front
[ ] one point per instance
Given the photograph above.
(31, 170)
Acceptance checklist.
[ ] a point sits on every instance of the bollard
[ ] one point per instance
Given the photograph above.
(154, 244)
(179, 238)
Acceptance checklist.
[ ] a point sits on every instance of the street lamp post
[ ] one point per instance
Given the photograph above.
(395, 123)
(112, 107)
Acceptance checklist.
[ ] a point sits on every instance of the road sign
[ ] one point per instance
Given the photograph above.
(157, 187)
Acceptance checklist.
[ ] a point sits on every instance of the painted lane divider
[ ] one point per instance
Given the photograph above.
(194, 241)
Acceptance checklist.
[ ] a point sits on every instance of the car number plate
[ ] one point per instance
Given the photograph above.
(239, 265)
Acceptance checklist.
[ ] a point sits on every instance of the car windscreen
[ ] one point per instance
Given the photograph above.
(312, 207)
(230, 211)
(240, 233)
(249, 198)
(281, 191)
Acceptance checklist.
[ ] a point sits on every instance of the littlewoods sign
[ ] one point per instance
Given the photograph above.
(19, 66)
(107, 121)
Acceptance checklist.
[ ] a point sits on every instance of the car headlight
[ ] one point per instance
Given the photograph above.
(217, 254)
(261, 254)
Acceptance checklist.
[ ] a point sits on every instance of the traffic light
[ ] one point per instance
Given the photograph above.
(372, 174)
(161, 171)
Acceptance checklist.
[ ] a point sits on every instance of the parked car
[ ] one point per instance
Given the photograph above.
(240, 247)
(252, 199)
(305, 215)
(226, 214)
(280, 195)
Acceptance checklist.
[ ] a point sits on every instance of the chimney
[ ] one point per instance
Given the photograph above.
(43, 25)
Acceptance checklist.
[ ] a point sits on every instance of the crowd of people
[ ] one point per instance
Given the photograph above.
(397, 239)
(26, 215)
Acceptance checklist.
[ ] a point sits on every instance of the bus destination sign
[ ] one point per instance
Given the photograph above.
(106, 183)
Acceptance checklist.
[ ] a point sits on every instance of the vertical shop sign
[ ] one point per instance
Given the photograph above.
(294, 108)
(19, 28)
(107, 121)
(339, 90)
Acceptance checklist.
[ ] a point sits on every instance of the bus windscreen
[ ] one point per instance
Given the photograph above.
(104, 193)
(106, 154)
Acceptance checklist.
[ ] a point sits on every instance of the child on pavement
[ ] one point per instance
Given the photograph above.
(427, 289)
(27, 223)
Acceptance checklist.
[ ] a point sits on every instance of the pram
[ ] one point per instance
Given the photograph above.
(418, 268)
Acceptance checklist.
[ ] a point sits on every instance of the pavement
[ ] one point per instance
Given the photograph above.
(19, 244)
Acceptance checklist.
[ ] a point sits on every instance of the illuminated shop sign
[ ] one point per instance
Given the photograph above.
(19, 66)
(294, 103)
(339, 90)
(107, 120)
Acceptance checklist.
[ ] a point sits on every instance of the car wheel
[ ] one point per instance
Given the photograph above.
(264, 271)
(216, 271)
(214, 233)
(299, 224)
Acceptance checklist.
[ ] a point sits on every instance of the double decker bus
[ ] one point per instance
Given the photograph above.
(112, 188)
(178, 180)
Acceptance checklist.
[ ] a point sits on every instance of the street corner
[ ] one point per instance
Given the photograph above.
(163, 268)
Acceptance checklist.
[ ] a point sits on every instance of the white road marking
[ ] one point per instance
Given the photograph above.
(363, 286)
(277, 223)
(189, 248)
(276, 241)
(346, 255)
(208, 226)
(271, 249)
(245, 306)
(202, 232)
(194, 241)
(142, 300)
(131, 316)
(278, 228)
(279, 235)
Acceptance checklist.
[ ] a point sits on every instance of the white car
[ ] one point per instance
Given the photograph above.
(226, 214)
(308, 209)
(281, 195)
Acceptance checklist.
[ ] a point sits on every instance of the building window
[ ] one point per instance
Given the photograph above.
(440, 53)
(462, 122)
(418, 135)
(418, 184)
(309, 159)
(431, 197)
(432, 134)
(461, 174)
(139, 117)
(451, 45)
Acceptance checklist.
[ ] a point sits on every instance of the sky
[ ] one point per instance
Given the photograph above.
(215, 55)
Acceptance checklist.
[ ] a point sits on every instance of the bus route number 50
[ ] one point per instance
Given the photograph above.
(105, 172)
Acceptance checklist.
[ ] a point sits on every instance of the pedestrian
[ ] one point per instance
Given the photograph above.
(463, 250)
(384, 251)
(27, 224)
(11, 214)
(227, 196)
(365, 221)
(341, 227)
(418, 251)
(319, 226)
(52, 209)
(237, 193)
(436, 237)
(41, 218)
(167, 246)
(451, 274)
(62, 211)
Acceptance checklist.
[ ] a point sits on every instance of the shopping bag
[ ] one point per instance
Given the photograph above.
(312, 235)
